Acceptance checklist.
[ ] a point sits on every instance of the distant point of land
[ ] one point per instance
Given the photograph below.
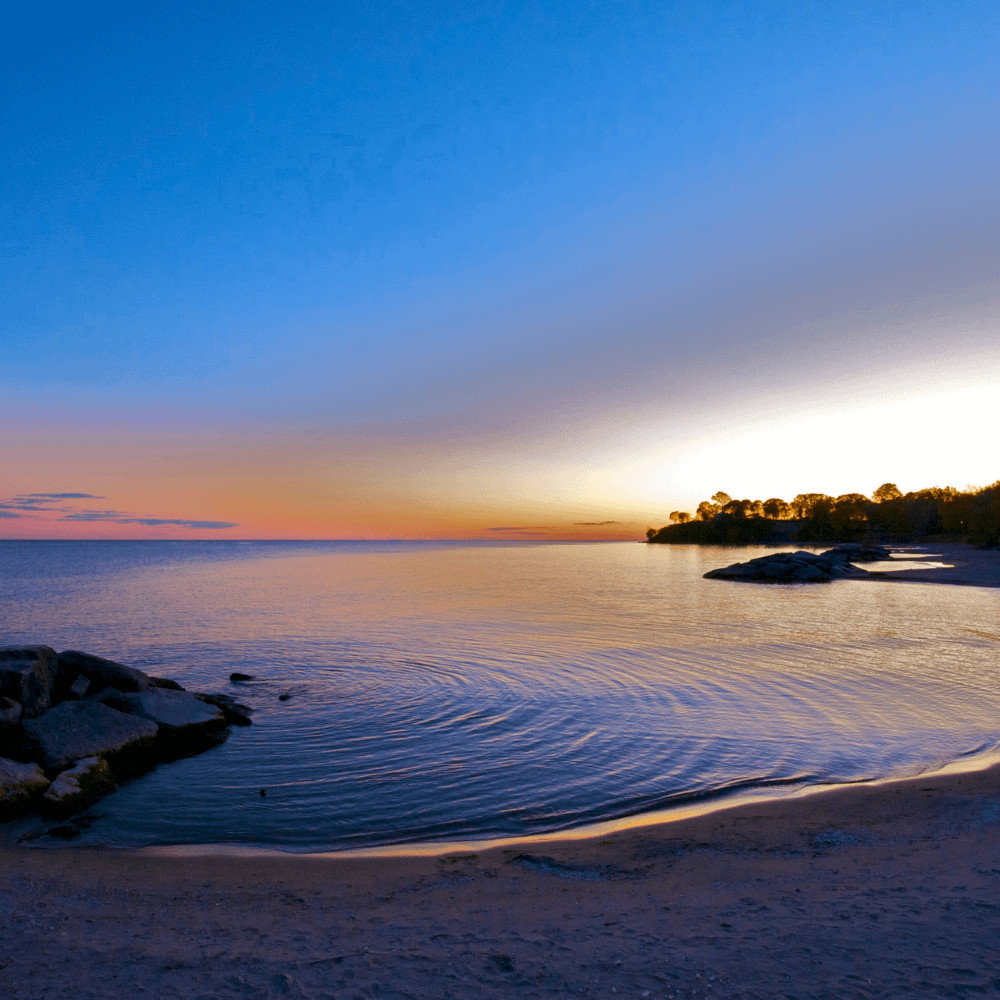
(889, 515)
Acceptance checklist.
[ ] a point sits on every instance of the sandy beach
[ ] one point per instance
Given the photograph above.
(963, 565)
(887, 890)
(877, 890)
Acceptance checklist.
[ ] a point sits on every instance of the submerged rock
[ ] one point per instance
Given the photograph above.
(77, 729)
(19, 784)
(28, 675)
(83, 784)
(103, 673)
(236, 676)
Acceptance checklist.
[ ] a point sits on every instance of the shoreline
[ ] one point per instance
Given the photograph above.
(872, 890)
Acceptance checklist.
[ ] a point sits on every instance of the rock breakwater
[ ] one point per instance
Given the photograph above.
(72, 725)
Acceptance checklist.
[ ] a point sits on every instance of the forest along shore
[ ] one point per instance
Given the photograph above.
(874, 891)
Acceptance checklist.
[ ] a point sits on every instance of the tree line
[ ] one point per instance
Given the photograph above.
(888, 515)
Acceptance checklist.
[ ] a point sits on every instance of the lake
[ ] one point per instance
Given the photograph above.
(454, 691)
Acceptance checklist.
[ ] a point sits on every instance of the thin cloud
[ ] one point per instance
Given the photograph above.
(61, 496)
(523, 528)
(121, 517)
(63, 506)
(593, 524)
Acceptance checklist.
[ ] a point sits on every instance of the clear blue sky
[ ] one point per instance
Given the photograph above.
(408, 219)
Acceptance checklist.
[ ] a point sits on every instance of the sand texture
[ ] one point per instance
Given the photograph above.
(868, 891)
(965, 566)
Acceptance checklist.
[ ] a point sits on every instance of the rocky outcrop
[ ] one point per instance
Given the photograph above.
(28, 675)
(78, 729)
(802, 567)
(103, 673)
(19, 784)
(83, 784)
(235, 712)
(185, 723)
(85, 722)
(10, 713)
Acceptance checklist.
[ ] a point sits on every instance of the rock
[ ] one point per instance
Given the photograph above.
(237, 677)
(856, 552)
(186, 723)
(19, 784)
(801, 567)
(235, 712)
(779, 567)
(78, 729)
(164, 682)
(82, 785)
(104, 673)
(173, 709)
(28, 674)
(10, 713)
(79, 687)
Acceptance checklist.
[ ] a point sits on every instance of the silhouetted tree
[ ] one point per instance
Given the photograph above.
(886, 492)
(776, 508)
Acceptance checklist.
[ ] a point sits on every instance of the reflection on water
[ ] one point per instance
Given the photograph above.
(457, 690)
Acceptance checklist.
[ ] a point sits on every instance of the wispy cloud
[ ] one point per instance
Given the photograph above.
(62, 507)
(61, 496)
(593, 524)
(509, 529)
(123, 517)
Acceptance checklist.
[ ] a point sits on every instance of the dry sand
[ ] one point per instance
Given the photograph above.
(888, 890)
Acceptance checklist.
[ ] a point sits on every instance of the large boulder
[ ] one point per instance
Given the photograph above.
(235, 712)
(186, 723)
(78, 729)
(80, 786)
(793, 567)
(10, 713)
(101, 672)
(27, 675)
(19, 784)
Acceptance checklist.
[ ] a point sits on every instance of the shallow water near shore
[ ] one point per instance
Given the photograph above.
(461, 691)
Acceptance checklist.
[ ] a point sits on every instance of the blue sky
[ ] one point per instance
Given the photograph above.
(490, 229)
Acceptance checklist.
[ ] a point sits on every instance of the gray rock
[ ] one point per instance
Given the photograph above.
(235, 712)
(28, 674)
(10, 713)
(82, 785)
(79, 687)
(165, 682)
(103, 673)
(174, 710)
(78, 729)
(19, 784)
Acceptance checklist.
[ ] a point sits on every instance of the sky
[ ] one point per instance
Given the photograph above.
(498, 270)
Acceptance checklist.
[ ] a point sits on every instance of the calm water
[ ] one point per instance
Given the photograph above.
(443, 691)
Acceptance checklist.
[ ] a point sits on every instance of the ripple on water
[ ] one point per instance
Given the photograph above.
(445, 691)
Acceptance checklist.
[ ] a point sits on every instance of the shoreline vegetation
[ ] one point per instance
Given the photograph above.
(875, 891)
(889, 515)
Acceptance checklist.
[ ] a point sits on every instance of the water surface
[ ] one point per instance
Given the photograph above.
(461, 691)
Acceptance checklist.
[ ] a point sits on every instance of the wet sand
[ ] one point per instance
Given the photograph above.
(889, 890)
(964, 566)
